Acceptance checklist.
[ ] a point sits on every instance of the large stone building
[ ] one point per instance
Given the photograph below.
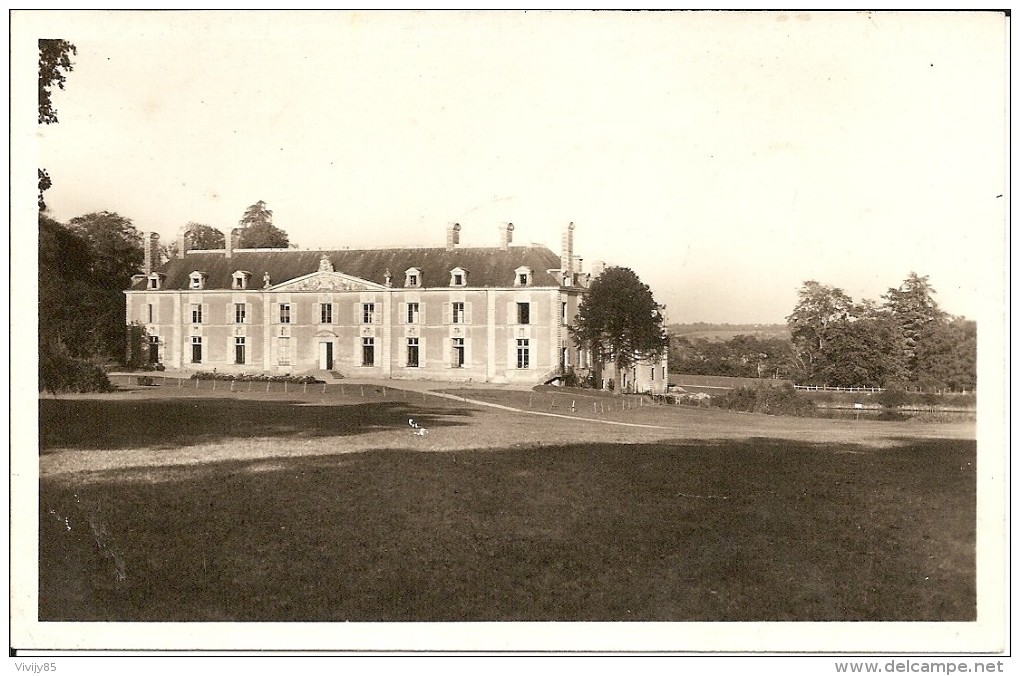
(484, 314)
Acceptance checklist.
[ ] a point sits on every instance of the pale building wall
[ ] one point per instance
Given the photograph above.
(490, 328)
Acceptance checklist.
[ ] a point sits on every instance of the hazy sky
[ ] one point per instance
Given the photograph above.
(725, 157)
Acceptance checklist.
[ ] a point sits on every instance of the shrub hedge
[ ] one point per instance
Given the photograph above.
(782, 400)
(60, 372)
(256, 377)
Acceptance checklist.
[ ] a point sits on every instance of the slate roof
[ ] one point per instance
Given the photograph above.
(486, 266)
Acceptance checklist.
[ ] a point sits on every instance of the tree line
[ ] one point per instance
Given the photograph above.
(85, 265)
(906, 340)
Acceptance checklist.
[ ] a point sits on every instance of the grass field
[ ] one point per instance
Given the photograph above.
(177, 505)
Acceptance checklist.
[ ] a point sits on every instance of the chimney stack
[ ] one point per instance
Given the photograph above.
(597, 268)
(150, 252)
(183, 240)
(506, 235)
(567, 255)
(231, 241)
(452, 236)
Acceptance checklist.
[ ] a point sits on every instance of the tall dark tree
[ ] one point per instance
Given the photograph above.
(859, 353)
(80, 321)
(907, 340)
(818, 308)
(946, 356)
(914, 309)
(65, 262)
(101, 274)
(258, 231)
(116, 246)
(618, 316)
(54, 62)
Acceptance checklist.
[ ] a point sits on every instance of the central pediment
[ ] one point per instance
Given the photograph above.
(327, 281)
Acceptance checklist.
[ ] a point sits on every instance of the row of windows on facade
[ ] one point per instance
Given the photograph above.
(457, 351)
(365, 313)
(412, 279)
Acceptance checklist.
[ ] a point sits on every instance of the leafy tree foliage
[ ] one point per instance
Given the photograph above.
(619, 318)
(205, 236)
(908, 340)
(116, 247)
(258, 231)
(200, 235)
(54, 61)
(914, 309)
(44, 184)
(69, 305)
(742, 356)
(818, 308)
(858, 354)
(946, 355)
(84, 268)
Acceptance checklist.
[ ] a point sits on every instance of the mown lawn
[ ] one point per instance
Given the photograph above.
(677, 530)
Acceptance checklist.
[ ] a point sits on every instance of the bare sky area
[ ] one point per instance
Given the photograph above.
(725, 157)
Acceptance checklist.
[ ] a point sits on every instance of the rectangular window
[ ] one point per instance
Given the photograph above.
(458, 313)
(283, 354)
(367, 313)
(153, 349)
(239, 313)
(458, 353)
(413, 313)
(153, 283)
(458, 279)
(523, 353)
(150, 313)
(412, 352)
(325, 313)
(368, 351)
(664, 373)
(563, 312)
(285, 313)
(196, 314)
(412, 280)
(196, 349)
(524, 313)
(239, 350)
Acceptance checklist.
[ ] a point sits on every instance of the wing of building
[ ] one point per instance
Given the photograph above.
(485, 314)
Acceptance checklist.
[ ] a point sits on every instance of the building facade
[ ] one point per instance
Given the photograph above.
(483, 314)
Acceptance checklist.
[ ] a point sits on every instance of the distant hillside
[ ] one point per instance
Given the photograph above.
(723, 332)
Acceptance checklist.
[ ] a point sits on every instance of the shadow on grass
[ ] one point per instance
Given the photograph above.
(763, 530)
(112, 424)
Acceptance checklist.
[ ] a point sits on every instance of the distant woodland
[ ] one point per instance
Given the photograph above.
(902, 341)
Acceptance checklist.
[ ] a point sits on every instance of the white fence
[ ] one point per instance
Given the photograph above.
(827, 388)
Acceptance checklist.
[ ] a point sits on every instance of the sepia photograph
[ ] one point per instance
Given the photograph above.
(583, 332)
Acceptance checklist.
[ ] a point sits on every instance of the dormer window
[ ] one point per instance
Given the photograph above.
(155, 281)
(458, 277)
(239, 280)
(412, 277)
(522, 276)
(197, 280)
